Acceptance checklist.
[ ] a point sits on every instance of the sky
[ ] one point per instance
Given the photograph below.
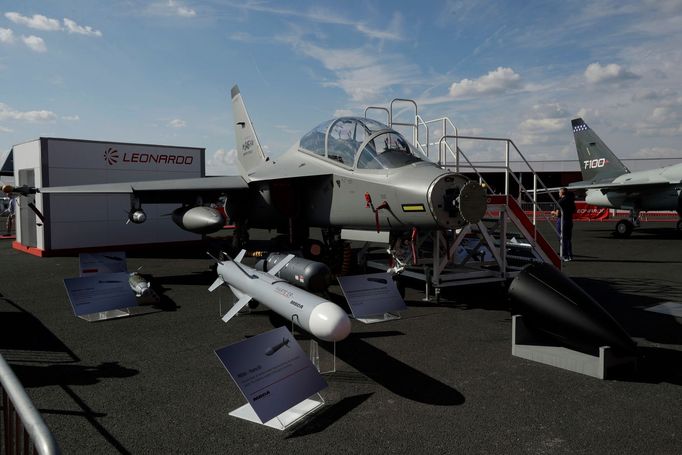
(160, 72)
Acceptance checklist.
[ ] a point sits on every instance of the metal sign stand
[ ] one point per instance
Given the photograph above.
(286, 419)
(104, 315)
(373, 319)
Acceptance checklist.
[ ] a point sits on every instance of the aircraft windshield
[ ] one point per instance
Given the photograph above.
(340, 140)
(386, 151)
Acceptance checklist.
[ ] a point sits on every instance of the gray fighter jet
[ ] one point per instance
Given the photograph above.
(609, 183)
(351, 172)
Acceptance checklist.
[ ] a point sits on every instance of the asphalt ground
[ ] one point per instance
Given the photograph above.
(439, 380)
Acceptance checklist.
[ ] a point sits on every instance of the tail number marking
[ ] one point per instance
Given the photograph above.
(595, 164)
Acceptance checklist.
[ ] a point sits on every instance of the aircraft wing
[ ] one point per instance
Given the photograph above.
(628, 186)
(200, 184)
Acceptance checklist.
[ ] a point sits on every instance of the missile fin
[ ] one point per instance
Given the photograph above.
(240, 256)
(280, 265)
(216, 284)
(241, 303)
(237, 293)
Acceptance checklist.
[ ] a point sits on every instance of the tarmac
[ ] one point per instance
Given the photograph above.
(439, 380)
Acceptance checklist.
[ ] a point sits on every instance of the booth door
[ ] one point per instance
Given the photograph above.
(27, 218)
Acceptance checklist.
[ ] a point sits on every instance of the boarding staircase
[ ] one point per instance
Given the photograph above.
(507, 238)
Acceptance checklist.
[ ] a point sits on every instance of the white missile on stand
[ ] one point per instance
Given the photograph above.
(317, 316)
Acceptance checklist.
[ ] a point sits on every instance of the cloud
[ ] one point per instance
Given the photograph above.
(71, 118)
(223, 157)
(586, 112)
(177, 123)
(595, 73)
(37, 21)
(343, 113)
(7, 113)
(40, 22)
(287, 129)
(394, 31)
(498, 81)
(35, 43)
(362, 73)
(655, 95)
(6, 36)
(73, 27)
(544, 125)
(550, 110)
(181, 10)
(171, 8)
(5, 130)
(244, 37)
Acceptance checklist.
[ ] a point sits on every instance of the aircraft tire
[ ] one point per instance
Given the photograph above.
(623, 229)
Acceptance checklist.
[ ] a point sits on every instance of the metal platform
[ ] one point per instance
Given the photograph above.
(494, 249)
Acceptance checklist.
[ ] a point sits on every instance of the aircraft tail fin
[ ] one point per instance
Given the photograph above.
(597, 162)
(249, 151)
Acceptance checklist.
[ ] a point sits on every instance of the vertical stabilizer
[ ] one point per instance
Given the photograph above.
(249, 152)
(597, 161)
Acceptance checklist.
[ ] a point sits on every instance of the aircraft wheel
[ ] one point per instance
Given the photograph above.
(624, 229)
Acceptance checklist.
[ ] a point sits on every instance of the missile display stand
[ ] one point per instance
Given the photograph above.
(314, 353)
(532, 347)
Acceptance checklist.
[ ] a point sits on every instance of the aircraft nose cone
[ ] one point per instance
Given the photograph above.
(456, 201)
(329, 322)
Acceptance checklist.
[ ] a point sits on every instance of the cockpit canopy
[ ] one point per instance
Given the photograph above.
(361, 143)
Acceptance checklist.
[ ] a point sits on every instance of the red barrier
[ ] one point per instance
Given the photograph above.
(587, 212)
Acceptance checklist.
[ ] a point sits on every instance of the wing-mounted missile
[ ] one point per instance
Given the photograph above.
(553, 304)
(140, 286)
(136, 216)
(317, 316)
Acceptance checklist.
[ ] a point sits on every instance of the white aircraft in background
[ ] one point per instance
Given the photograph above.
(609, 183)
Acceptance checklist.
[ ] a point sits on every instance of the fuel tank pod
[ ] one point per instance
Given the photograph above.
(310, 275)
(552, 303)
(199, 219)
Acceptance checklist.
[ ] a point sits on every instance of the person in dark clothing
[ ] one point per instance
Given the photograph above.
(564, 222)
(11, 210)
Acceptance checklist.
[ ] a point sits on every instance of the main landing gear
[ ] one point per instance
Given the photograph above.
(625, 227)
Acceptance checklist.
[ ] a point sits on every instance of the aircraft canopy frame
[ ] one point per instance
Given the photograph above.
(359, 143)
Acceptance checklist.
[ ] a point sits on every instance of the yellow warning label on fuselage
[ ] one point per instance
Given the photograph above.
(413, 208)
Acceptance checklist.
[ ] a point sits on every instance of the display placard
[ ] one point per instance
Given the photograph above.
(272, 372)
(109, 262)
(371, 294)
(99, 293)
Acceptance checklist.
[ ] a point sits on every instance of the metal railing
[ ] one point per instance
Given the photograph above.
(23, 429)
(523, 196)
(461, 161)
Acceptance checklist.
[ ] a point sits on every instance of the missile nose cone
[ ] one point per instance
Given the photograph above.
(329, 322)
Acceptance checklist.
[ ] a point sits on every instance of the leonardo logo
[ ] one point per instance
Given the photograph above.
(111, 156)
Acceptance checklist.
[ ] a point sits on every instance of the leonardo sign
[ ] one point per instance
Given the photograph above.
(111, 157)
